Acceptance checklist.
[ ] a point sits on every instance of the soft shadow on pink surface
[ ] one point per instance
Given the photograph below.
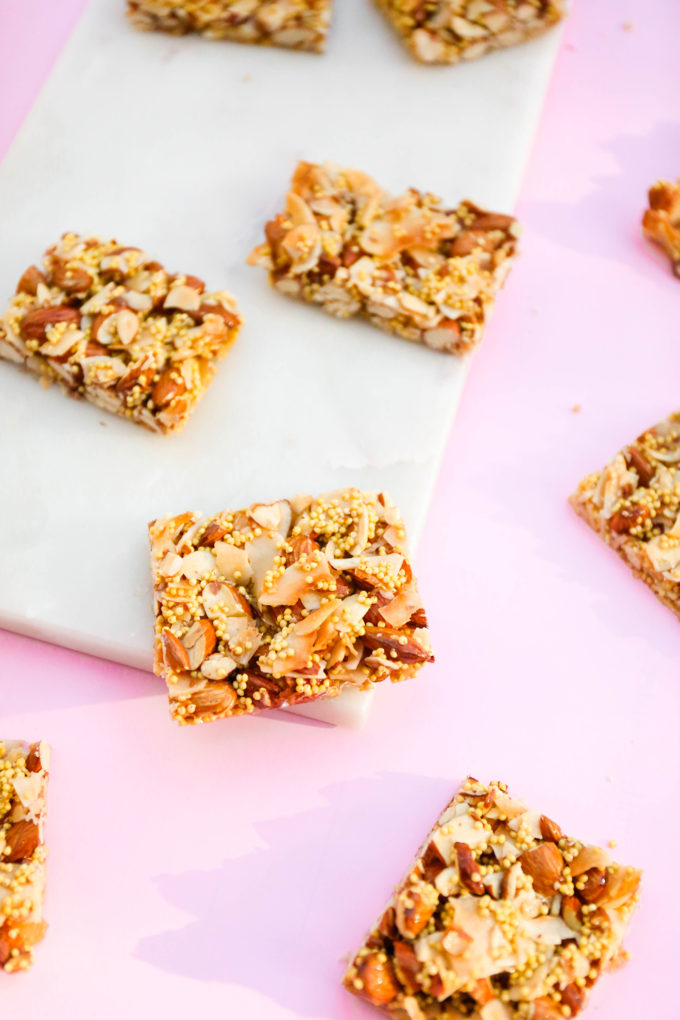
(56, 678)
(301, 903)
(606, 221)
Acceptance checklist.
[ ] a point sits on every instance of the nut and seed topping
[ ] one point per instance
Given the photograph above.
(409, 265)
(634, 505)
(495, 919)
(268, 606)
(448, 31)
(110, 325)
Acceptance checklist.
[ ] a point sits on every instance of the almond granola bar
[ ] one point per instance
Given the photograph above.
(446, 31)
(661, 222)
(283, 603)
(409, 265)
(23, 782)
(501, 917)
(634, 505)
(297, 24)
(110, 324)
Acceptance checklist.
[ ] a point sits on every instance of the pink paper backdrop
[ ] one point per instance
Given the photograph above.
(227, 869)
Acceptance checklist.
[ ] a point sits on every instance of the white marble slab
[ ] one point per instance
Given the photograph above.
(185, 147)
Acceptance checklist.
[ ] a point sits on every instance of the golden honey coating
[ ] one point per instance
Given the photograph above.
(661, 221)
(501, 917)
(111, 325)
(283, 603)
(634, 505)
(294, 24)
(23, 781)
(408, 264)
(447, 31)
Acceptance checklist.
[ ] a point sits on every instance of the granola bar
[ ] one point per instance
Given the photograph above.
(661, 222)
(501, 917)
(110, 324)
(409, 265)
(297, 24)
(283, 603)
(446, 31)
(23, 782)
(634, 505)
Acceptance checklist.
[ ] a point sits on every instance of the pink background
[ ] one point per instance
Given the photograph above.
(229, 868)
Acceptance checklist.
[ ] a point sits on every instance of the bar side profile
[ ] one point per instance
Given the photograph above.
(283, 603)
(294, 24)
(661, 221)
(23, 782)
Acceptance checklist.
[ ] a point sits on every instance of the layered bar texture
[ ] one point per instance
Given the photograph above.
(297, 24)
(283, 603)
(634, 505)
(110, 324)
(661, 221)
(408, 264)
(23, 782)
(446, 31)
(501, 917)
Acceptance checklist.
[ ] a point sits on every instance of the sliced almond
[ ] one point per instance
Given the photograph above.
(199, 641)
(182, 297)
(587, 858)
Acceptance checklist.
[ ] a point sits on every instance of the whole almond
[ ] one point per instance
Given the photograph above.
(72, 279)
(415, 906)
(390, 639)
(550, 830)
(38, 757)
(543, 864)
(217, 698)
(593, 887)
(28, 284)
(168, 386)
(34, 324)
(21, 840)
(380, 985)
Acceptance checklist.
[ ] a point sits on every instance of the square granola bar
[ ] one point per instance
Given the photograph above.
(110, 324)
(283, 603)
(634, 505)
(409, 265)
(661, 222)
(501, 917)
(296, 24)
(23, 782)
(446, 31)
